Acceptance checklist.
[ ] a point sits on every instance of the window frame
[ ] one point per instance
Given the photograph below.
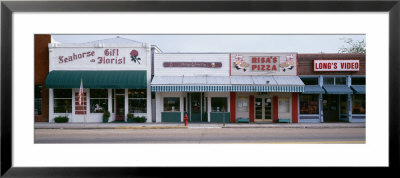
(55, 98)
(131, 98)
(226, 104)
(91, 98)
(178, 99)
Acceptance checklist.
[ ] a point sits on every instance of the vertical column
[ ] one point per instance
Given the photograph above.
(275, 109)
(126, 105)
(233, 106)
(51, 105)
(295, 107)
(251, 108)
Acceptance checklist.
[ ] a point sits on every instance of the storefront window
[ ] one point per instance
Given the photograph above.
(98, 100)
(310, 80)
(284, 106)
(340, 81)
(219, 104)
(137, 101)
(329, 80)
(309, 104)
(358, 104)
(343, 104)
(38, 100)
(243, 104)
(358, 81)
(62, 100)
(171, 104)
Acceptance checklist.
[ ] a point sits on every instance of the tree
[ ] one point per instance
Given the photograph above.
(353, 46)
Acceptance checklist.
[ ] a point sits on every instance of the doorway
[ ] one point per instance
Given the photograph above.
(263, 109)
(333, 107)
(120, 107)
(197, 105)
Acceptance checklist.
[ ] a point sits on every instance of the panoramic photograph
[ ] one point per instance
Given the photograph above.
(200, 89)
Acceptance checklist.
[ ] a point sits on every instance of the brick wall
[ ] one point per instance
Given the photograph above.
(306, 63)
(41, 70)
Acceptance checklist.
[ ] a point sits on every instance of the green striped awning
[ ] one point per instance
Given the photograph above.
(267, 88)
(97, 79)
(191, 88)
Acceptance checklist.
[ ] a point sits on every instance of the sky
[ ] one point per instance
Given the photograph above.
(230, 43)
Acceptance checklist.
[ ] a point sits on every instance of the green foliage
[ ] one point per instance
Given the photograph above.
(106, 115)
(61, 119)
(353, 46)
(136, 119)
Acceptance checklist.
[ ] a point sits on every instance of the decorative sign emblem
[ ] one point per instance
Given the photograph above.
(240, 64)
(193, 64)
(134, 56)
(287, 64)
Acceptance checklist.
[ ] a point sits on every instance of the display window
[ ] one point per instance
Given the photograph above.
(171, 104)
(62, 100)
(98, 100)
(219, 104)
(309, 104)
(358, 104)
(137, 101)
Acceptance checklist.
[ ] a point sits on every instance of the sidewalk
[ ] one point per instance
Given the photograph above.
(45, 125)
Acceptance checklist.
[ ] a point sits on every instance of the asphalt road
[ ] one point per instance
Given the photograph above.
(204, 135)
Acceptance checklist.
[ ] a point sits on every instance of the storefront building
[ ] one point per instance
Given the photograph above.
(334, 88)
(226, 87)
(115, 75)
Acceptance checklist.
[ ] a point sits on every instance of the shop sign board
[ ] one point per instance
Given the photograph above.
(263, 64)
(324, 65)
(99, 58)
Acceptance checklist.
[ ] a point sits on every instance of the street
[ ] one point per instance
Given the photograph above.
(205, 135)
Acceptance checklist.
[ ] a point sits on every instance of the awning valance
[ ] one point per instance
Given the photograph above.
(313, 89)
(358, 89)
(337, 89)
(97, 79)
(227, 84)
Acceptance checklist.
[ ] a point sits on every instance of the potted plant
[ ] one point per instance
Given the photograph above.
(106, 116)
(130, 118)
(61, 119)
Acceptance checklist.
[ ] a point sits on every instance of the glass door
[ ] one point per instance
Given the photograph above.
(267, 109)
(195, 107)
(258, 109)
(263, 109)
(120, 107)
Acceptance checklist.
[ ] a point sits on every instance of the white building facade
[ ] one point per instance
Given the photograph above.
(115, 74)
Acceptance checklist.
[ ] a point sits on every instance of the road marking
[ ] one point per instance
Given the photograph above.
(309, 142)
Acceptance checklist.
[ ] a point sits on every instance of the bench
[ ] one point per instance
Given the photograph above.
(242, 120)
(281, 120)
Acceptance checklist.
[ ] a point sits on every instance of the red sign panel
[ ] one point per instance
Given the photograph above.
(336, 65)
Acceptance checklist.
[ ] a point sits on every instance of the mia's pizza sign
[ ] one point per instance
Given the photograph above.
(336, 65)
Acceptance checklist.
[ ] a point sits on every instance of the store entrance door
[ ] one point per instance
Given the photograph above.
(120, 107)
(195, 107)
(263, 109)
(331, 108)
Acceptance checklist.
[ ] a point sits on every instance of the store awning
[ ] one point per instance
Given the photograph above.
(97, 79)
(337, 89)
(358, 89)
(313, 89)
(190, 84)
(227, 84)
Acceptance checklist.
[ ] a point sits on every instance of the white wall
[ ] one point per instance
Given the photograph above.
(160, 58)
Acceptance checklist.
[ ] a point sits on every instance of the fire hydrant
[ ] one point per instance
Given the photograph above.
(186, 120)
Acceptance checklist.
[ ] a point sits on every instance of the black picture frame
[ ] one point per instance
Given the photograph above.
(8, 7)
